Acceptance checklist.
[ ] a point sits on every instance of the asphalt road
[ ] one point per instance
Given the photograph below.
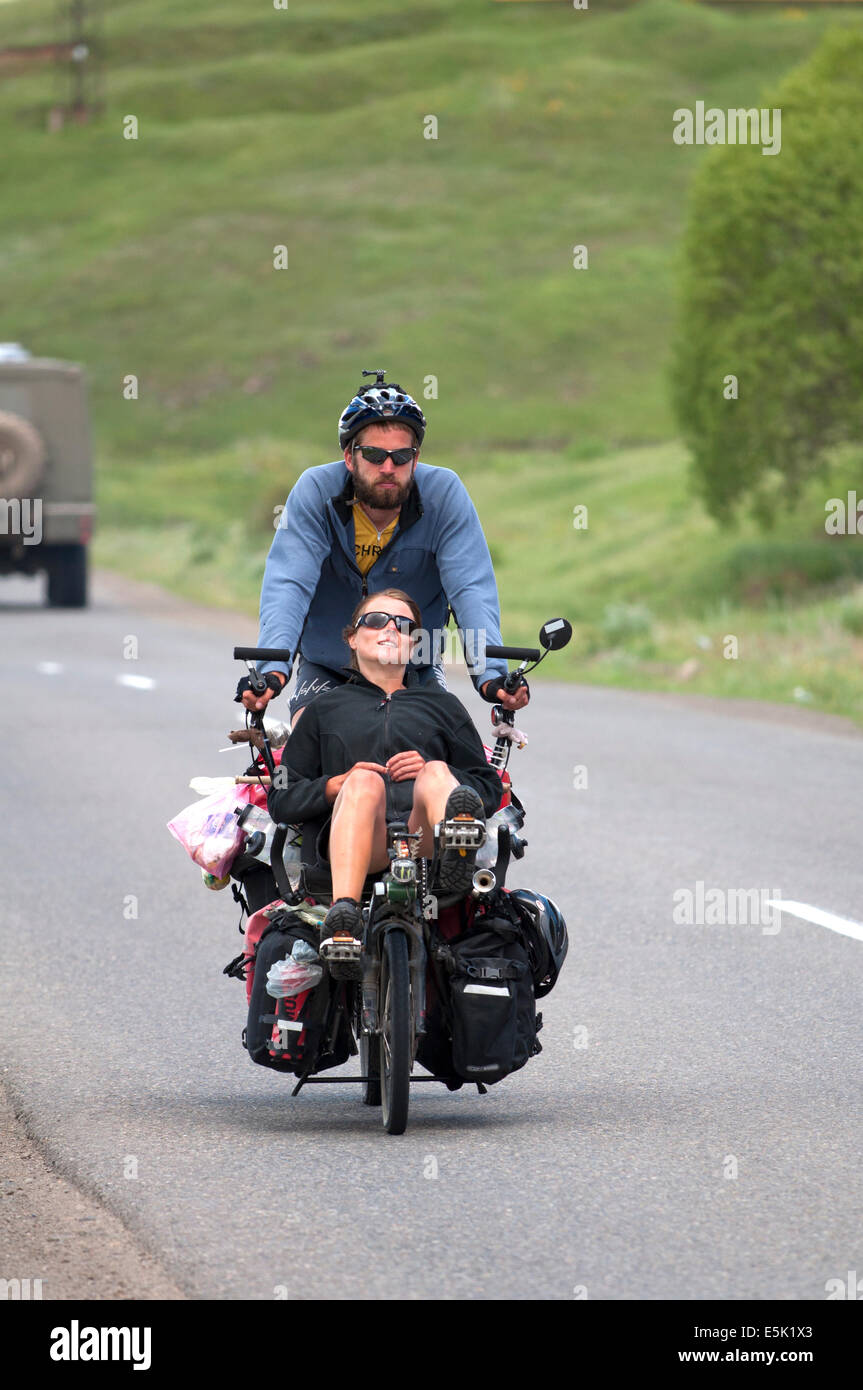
(691, 1129)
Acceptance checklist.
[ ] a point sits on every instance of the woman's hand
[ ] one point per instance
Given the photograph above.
(403, 766)
(335, 784)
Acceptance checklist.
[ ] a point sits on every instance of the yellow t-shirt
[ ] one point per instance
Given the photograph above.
(368, 541)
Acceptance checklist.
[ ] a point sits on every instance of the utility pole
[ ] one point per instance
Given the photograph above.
(79, 61)
(76, 52)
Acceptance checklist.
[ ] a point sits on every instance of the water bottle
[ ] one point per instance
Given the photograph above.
(292, 853)
(259, 830)
(252, 818)
(486, 855)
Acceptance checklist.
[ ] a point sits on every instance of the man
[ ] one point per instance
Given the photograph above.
(377, 518)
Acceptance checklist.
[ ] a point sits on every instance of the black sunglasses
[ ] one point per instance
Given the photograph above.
(372, 454)
(380, 620)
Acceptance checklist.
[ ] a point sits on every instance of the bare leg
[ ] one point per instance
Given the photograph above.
(431, 789)
(358, 833)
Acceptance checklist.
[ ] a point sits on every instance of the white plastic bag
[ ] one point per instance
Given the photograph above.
(301, 970)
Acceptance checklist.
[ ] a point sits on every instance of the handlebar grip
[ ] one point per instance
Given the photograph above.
(262, 654)
(514, 653)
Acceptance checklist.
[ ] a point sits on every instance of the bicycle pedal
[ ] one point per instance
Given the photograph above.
(462, 833)
(341, 948)
(343, 957)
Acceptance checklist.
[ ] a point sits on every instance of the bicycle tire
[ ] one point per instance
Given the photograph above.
(395, 1035)
(370, 1065)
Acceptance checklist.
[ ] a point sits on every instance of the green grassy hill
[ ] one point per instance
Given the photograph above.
(448, 258)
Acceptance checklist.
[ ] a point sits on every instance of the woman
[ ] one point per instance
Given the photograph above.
(382, 747)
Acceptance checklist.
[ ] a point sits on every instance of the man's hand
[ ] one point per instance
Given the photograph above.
(335, 784)
(516, 701)
(256, 703)
(402, 766)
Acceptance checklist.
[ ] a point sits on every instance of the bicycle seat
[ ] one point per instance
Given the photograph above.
(317, 873)
(317, 880)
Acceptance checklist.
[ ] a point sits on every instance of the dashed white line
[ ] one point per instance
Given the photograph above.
(137, 682)
(843, 925)
(49, 668)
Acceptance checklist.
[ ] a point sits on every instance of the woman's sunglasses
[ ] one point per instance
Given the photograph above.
(380, 620)
(372, 454)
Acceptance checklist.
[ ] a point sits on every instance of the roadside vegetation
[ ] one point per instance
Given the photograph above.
(447, 258)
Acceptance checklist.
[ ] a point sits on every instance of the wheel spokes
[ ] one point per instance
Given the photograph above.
(385, 1032)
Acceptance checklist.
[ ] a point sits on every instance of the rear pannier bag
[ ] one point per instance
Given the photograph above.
(293, 1034)
(493, 1011)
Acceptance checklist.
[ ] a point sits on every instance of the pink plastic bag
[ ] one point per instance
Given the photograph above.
(208, 829)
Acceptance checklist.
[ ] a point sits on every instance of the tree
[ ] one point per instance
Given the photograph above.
(772, 294)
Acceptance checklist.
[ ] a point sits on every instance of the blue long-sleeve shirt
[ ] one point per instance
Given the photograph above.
(438, 555)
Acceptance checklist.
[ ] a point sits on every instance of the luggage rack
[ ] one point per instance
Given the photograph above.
(356, 1080)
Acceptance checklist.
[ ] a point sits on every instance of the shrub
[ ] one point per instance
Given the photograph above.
(772, 292)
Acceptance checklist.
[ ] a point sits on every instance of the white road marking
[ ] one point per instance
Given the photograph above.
(137, 682)
(49, 668)
(843, 925)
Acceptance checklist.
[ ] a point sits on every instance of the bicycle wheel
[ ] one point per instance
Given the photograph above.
(395, 1035)
(370, 1065)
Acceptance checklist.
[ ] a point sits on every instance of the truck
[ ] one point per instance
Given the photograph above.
(46, 473)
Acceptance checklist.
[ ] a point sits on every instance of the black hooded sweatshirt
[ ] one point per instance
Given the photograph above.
(358, 722)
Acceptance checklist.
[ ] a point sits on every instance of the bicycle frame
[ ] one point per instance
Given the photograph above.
(401, 902)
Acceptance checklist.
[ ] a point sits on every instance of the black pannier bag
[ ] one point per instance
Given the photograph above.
(490, 1005)
(288, 1034)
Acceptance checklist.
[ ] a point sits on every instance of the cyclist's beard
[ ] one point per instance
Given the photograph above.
(382, 498)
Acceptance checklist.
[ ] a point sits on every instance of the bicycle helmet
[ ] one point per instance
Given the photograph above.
(548, 937)
(384, 401)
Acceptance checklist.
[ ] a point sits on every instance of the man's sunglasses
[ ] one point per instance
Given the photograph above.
(380, 620)
(372, 454)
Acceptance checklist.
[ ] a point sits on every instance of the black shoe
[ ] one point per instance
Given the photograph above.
(340, 946)
(458, 859)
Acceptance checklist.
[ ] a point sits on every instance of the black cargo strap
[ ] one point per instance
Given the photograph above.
(275, 1018)
(236, 968)
(502, 919)
(298, 929)
(501, 927)
(274, 1046)
(505, 970)
(244, 907)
